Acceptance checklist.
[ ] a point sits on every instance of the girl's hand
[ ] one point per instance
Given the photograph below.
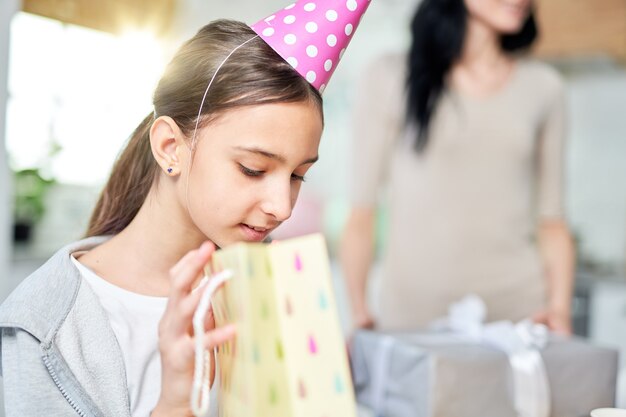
(176, 342)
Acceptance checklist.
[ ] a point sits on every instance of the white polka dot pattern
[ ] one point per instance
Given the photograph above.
(290, 39)
(311, 27)
(293, 62)
(311, 35)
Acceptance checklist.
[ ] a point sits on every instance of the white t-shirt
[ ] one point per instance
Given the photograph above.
(135, 320)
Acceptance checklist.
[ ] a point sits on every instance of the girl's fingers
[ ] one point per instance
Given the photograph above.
(189, 305)
(219, 336)
(188, 270)
(176, 319)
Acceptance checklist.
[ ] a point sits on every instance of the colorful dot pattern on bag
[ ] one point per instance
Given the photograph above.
(323, 301)
(268, 269)
(302, 389)
(273, 394)
(298, 263)
(339, 388)
(311, 35)
(312, 345)
(279, 350)
(255, 354)
(292, 314)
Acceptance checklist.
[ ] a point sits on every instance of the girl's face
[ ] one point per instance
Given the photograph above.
(248, 168)
(502, 16)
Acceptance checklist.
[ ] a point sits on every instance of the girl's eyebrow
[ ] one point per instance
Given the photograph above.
(273, 156)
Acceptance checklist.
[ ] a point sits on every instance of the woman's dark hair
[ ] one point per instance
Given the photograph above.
(253, 75)
(438, 33)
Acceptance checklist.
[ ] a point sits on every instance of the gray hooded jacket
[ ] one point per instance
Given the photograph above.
(59, 354)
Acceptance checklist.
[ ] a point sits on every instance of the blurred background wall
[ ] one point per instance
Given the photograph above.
(76, 77)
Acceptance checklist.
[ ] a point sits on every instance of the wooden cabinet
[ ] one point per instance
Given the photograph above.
(113, 16)
(582, 27)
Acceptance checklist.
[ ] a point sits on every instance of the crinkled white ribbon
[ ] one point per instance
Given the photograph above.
(521, 342)
(200, 400)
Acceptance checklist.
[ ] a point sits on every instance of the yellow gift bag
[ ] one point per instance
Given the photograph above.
(289, 357)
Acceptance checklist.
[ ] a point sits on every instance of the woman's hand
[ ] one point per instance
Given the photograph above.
(362, 319)
(559, 321)
(176, 342)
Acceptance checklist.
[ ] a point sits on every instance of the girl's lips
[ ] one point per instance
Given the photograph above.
(252, 234)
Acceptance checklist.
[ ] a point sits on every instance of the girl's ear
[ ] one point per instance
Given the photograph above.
(166, 141)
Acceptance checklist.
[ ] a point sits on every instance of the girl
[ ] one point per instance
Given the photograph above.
(472, 136)
(104, 327)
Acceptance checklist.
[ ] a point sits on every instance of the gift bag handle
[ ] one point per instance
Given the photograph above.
(200, 400)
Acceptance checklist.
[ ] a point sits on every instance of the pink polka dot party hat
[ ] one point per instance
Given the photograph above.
(312, 35)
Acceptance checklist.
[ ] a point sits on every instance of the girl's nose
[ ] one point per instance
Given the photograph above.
(278, 202)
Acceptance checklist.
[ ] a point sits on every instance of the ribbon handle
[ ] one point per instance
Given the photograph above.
(200, 400)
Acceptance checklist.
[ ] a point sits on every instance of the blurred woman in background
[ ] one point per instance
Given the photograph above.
(468, 137)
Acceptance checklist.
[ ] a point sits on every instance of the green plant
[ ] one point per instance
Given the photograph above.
(30, 190)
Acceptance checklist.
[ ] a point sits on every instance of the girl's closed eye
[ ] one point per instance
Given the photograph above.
(257, 173)
(250, 172)
(296, 177)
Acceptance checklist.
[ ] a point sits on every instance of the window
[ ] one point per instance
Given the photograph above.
(78, 90)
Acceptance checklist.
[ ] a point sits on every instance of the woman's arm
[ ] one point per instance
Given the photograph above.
(554, 239)
(356, 256)
(378, 120)
(557, 250)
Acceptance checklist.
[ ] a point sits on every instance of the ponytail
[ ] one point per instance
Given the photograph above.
(128, 186)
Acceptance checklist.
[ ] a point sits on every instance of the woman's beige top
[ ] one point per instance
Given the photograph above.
(463, 215)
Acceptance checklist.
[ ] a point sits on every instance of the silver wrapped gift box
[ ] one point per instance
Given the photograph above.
(441, 375)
